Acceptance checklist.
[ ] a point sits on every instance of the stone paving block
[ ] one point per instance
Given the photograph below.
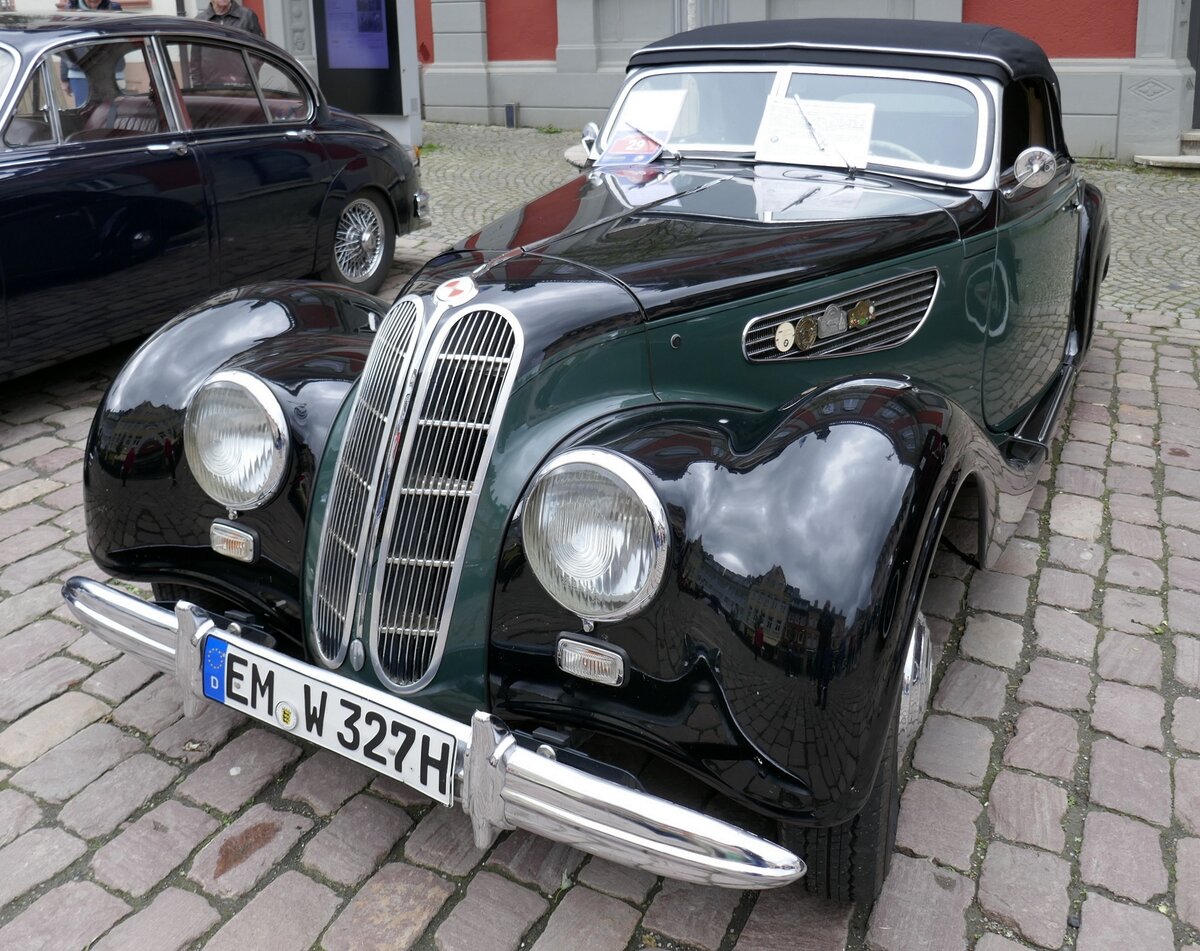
(34, 857)
(953, 749)
(171, 922)
(1028, 809)
(1131, 780)
(325, 780)
(791, 919)
(1122, 855)
(1129, 455)
(1182, 572)
(28, 606)
(494, 914)
(972, 690)
(939, 822)
(1129, 479)
(620, 881)
(993, 942)
(1020, 557)
(398, 793)
(244, 852)
(115, 796)
(1187, 661)
(193, 739)
(1183, 611)
(354, 842)
(235, 775)
(1056, 683)
(998, 593)
(444, 840)
(918, 898)
(1183, 481)
(1136, 539)
(1066, 589)
(1132, 714)
(152, 847)
(389, 913)
(1083, 453)
(943, 597)
(18, 814)
(1135, 660)
(29, 646)
(287, 915)
(119, 679)
(1131, 571)
(1140, 510)
(1026, 889)
(73, 915)
(1181, 512)
(692, 914)
(95, 651)
(33, 687)
(1187, 881)
(993, 640)
(1131, 612)
(1185, 724)
(58, 775)
(1079, 480)
(46, 726)
(1114, 926)
(537, 861)
(588, 921)
(153, 708)
(1046, 742)
(1063, 632)
(1076, 516)
(1187, 794)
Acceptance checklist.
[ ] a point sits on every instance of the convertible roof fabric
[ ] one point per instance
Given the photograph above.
(972, 49)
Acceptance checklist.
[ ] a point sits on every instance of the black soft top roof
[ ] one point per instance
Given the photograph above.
(972, 49)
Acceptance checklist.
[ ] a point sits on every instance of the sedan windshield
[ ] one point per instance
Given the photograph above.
(6, 67)
(930, 125)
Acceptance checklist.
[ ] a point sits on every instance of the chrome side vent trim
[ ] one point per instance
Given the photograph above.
(465, 382)
(898, 308)
(345, 549)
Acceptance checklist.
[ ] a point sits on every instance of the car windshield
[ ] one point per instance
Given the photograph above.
(930, 125)
(7, 63)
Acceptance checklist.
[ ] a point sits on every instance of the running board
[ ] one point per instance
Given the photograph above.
(1031, 442)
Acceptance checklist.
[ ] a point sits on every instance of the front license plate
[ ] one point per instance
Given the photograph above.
(388, 742)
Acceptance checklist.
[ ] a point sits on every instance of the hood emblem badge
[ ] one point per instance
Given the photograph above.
(862, 314)
(785, 336)
(456, 291)
(806, 333)
(832, 322)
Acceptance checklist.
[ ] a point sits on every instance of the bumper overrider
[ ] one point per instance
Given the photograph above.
(501, 784)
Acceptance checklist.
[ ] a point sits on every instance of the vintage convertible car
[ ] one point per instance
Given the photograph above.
(146, 162)
(650, 471)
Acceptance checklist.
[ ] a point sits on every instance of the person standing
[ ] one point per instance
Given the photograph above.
(231, 13)
(71, 75)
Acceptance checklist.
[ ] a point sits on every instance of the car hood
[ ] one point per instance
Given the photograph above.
(686, 236)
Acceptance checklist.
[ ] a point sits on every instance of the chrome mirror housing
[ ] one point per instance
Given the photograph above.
(1033, 168)
(591, 132)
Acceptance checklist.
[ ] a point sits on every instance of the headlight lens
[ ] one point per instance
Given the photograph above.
(236, 439)
(596, 534)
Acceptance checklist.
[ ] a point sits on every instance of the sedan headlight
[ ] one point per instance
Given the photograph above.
(596, 534)
(236, 439)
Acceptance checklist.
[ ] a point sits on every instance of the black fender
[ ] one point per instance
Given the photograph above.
(146, 516)
(1091, 264)
(801, 540)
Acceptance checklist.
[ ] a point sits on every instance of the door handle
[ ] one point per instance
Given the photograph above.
(162, 148)
(306, 134)
(1073, 205)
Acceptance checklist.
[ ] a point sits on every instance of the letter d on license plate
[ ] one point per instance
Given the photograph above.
(332, 717)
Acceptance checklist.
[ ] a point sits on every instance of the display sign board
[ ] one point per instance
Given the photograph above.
(358, 55)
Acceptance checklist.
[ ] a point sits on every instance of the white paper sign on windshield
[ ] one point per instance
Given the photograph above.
(815, 132)
(653, 112)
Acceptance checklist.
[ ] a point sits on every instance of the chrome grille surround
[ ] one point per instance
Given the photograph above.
(465, 381)
(901, 306)
(345, 547)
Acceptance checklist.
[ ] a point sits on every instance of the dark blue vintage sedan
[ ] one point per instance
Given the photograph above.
(146, 162)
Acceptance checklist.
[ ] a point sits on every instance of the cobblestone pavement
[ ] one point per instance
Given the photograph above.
(1052, 799)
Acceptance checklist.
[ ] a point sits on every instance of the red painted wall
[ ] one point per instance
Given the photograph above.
(1078, 28)
(424, 31)
(255, 5)
(522, 29)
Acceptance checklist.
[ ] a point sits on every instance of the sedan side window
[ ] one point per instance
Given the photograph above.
(30, 123)
(282, 91)
(107, 91)
(216, 85)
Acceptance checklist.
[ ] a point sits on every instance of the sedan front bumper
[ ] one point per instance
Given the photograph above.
(502, 784)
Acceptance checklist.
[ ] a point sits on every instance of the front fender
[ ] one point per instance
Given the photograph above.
(146, 516)
(769, 663)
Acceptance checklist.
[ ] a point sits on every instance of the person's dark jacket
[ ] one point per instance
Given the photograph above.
(238, 16)
(76, 5)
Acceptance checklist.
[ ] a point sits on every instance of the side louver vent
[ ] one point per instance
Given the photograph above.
(862, 321)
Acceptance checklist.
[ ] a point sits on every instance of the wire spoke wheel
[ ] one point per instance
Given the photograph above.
(363, 243)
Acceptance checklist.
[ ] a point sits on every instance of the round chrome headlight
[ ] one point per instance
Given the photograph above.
(236, 439)
(596, 534)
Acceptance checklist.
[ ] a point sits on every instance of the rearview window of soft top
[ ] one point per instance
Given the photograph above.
(931, 125)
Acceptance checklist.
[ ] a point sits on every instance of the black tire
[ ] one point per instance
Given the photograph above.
(848, 863)
(364, 242)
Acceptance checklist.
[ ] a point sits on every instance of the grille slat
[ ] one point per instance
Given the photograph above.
(901, 306)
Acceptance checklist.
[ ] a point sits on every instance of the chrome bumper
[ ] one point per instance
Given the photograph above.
(502, 785)
(420, 210)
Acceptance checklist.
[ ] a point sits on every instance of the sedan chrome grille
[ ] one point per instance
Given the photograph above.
(465, 382)
(900, 306)
(344, 542)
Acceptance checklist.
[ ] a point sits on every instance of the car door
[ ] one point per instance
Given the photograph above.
(1035, 259)
(251, 119)
(103, 226)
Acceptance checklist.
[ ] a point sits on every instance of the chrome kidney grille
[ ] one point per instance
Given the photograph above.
(901, 306)
(406, 484)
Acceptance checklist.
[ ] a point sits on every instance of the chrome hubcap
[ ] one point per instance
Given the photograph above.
(918, 674)
(358, 245)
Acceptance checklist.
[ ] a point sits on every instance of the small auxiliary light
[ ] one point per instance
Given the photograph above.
(591, 662)
(233, 542)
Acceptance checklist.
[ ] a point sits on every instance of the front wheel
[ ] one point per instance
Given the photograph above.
(363, 243)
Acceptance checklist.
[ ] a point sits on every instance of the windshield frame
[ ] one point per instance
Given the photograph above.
(979, 173)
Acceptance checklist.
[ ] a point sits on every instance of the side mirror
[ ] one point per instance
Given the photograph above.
(1033, 168)
(591, 132)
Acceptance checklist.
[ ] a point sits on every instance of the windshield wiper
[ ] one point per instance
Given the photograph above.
(812, 130)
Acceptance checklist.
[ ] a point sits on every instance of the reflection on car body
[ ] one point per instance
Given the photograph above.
(654, 468)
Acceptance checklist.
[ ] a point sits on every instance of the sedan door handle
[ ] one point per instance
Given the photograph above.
(306, 134)
(1073, 205)
(161, 148)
